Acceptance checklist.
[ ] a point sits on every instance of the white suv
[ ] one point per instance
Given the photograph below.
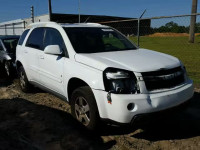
(100, 72)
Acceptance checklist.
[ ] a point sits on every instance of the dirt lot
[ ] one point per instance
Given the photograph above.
(39, 120)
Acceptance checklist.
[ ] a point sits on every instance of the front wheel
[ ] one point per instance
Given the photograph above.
(23, 81)
(84, 107)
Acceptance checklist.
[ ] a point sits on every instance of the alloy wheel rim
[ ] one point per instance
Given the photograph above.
(22, 80)
(82, 110)
(7, 69)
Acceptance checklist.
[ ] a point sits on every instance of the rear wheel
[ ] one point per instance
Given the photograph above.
(84, 108)
(23, 81)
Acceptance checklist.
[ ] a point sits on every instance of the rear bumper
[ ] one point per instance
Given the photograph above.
(143, 103)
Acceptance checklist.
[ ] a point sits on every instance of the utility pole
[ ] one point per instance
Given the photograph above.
(32, 14)
(79, 13)
(193, 21)
(138, 31)
(50, 11)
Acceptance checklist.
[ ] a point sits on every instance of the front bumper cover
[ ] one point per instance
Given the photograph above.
(144, 103)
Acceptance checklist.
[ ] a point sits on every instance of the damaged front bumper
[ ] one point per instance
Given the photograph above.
(120, 111)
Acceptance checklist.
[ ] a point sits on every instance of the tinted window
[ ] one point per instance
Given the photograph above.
(53, 37)
(21, 40)
(94, 40)
(10, 44)
(35, 40)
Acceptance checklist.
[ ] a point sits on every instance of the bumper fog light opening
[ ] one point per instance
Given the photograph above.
(130, 106)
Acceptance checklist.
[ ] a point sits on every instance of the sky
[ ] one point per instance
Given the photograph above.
(19, 9)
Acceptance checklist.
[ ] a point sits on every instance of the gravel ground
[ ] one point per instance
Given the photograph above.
(39, 120)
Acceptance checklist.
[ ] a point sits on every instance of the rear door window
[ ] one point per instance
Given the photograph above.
(23, 36)
(35, 39)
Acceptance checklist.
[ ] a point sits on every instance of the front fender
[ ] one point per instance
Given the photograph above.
(91, 76)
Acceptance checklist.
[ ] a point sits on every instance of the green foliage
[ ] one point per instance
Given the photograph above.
(171, 24)
(197, 28)
(175, 28)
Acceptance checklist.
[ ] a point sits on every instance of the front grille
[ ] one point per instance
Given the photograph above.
(163, 79)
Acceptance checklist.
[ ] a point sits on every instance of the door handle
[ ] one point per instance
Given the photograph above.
(41, 57)
(25, 51)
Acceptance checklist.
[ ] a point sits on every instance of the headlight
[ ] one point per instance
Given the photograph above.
(120, 81)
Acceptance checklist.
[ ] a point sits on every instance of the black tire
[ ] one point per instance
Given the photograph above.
(8, 69)
(23, 80)
(2, 70)
(85, 93)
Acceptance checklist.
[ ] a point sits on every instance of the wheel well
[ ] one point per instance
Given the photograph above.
(73, 84)
(18, 64)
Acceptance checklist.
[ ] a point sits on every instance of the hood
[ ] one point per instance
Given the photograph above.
(141, 60)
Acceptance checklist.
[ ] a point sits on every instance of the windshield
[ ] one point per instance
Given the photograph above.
(94, 40)
(10, 44)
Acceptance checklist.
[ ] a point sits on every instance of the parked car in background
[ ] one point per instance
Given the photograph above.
(100, 72)
(8, 53)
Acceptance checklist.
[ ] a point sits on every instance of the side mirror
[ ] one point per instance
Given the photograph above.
(52, 49)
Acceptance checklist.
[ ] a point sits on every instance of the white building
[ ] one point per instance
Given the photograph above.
(16, 27)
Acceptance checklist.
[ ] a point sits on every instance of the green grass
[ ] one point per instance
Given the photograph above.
(179, 47)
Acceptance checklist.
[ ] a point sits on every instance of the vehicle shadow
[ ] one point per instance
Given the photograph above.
(25, 125)
(4, 80)
(110, 129)
(7, 81)
(182, 125)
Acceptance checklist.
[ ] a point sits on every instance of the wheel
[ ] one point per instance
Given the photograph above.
(84, 107)
(23, 81)
(8, 68)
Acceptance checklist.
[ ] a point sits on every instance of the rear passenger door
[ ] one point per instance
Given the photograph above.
(51, 66)
(34, 46)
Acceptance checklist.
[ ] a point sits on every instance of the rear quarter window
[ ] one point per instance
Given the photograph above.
(22, 37)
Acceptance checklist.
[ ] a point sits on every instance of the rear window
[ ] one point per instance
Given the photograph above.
(21, 40)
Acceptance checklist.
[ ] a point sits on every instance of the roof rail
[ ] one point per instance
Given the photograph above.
(40, 24)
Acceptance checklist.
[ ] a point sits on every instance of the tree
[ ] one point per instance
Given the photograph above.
(197, 27)
(171, 24)
(175, 28)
